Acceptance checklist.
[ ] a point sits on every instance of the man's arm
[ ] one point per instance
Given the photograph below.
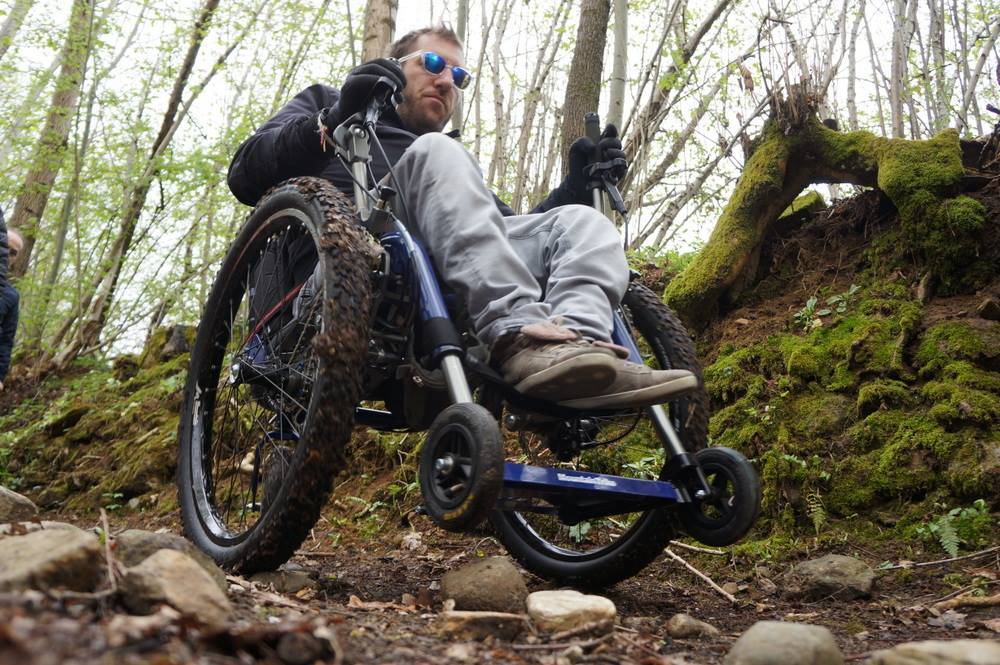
(8, 326)
(284, 147)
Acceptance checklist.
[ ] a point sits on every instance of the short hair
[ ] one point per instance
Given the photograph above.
(404, 44)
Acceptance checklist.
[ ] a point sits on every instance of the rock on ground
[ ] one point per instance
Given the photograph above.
(21, 528)
(492, 584)
(134, 545)
(553, 611)
(50, 559)
(285, 581)
(14, 507)
(480, 625)
(681, 626)
(940, 652)
(781, 643)
(835, 575)
(172, 577)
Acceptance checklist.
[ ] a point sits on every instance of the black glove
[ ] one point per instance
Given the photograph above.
(581, 166)
(360, 85)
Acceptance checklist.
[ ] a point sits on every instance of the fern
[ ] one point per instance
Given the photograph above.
(816, 510)
(947, 535)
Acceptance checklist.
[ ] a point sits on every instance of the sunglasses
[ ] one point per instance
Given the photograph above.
(435, 64)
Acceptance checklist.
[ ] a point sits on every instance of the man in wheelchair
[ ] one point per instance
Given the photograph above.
(540, 288)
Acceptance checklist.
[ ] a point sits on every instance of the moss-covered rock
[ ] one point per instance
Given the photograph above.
(944, 343)
(883, 394)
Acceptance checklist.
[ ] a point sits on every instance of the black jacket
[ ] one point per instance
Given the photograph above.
(288, 146)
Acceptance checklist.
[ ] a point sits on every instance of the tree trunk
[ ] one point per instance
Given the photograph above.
(95, 315)
(13, 23)
(919, 177)
(380, 24)
(462, 29)
(619, 64)
(33, 195)
(583, 90)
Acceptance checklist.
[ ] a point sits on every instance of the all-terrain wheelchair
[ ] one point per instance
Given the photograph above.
(317, 323)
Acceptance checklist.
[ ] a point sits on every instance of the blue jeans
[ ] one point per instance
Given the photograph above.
(566, 264)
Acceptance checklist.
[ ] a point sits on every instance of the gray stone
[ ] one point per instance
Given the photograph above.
(939, 652)
(134, 545)
(493, 585)
(682, 626)
(175, 579)
(177, 342)
(842, 577)
(480, 625)
(14, 507)
(285, 581)
(50, 559)
(21, 528)
(566, 609)
(989, 309)
(781, 643)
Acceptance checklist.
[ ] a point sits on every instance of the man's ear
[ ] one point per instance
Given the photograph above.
(14, 240)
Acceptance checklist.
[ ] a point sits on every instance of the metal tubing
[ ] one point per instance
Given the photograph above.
(661, 422)
(454, 378)
(360, 194)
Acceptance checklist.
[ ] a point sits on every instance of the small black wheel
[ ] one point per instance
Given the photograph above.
(732, 508)
(599, 552)
(461, 467)
(274, 376)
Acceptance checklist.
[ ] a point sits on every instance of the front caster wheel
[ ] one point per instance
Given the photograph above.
(732, 508)
(461, 467)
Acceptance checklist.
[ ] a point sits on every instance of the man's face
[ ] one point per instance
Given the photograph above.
(429, 98)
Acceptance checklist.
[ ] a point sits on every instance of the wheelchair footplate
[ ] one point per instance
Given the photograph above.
(579, 495)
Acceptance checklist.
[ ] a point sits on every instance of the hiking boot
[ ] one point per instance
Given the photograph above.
(552, 363)
(636, 386)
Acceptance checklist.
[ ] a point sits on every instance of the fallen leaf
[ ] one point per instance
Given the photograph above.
(992, 624)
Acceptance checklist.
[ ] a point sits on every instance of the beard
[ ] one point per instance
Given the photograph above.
(418, 120)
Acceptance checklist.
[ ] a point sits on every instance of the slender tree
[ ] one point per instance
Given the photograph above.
(13, 23)
(583, 92)
(51, 147)
(380, 24)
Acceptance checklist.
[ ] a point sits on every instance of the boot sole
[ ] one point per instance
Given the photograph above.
(582, 375)
(639, 397)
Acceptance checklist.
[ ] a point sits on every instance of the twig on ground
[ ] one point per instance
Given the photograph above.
(560, 645)
(959, 592)
(596, 627)
(939, 562)
(728, 596)
(693, 548)
(65, 594)
(109, 558)
(969, 601)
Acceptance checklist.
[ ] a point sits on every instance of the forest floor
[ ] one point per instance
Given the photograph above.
(378, 594)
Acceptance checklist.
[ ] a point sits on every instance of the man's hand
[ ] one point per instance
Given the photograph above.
(360, 84)
(581, 154)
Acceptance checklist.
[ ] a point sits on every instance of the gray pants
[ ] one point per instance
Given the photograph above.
(565, 264)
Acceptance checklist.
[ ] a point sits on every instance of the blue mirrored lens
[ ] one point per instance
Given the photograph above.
(433, 62)
(460, 76)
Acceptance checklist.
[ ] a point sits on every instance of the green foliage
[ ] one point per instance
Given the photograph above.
(968, 525)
